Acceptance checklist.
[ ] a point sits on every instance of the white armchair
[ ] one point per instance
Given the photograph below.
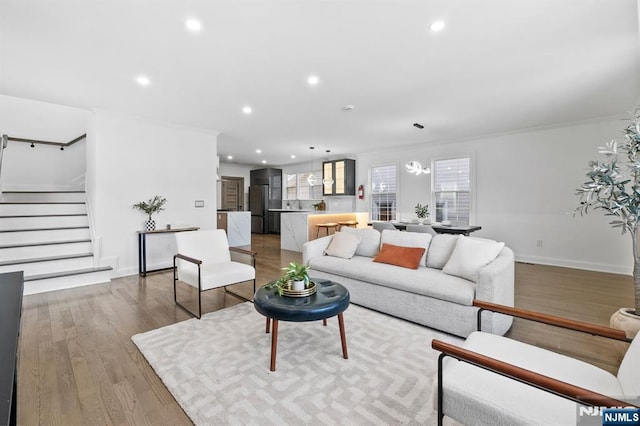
(204, 262)
(495, 380)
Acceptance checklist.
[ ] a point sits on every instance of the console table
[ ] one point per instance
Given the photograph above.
(142, 247)
(11, 288)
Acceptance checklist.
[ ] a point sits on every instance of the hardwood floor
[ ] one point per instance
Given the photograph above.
(78, 365)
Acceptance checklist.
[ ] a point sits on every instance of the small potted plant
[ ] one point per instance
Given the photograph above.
(422, 212)
(153, 205)
(298, 274)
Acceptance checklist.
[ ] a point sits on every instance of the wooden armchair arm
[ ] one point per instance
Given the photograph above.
(244, 251)
(187, 258)
(545, 383)
(584, 327)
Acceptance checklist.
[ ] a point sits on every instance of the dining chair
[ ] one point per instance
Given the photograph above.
(381, 226)
(425, 229)
(204, 261)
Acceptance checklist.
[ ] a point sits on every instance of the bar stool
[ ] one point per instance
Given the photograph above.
(351, 223)
(326, 226)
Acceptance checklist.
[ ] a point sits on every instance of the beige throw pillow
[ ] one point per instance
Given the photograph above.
(440, 250)
(343, 245)
(470, 255)
(370, 244)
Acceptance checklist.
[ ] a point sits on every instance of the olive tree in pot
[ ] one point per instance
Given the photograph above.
(613, 186)
(154, 205)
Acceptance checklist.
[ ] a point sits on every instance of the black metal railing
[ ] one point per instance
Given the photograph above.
(35, 142)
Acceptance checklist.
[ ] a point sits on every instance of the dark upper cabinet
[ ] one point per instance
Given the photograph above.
(343, 174)
(271, 177)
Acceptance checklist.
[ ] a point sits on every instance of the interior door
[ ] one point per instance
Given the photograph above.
(232, 193)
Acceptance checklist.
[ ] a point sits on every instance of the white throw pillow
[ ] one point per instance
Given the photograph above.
(343, 245)
(407, 239)
(471, 255)
(370, 244)
(440, 250)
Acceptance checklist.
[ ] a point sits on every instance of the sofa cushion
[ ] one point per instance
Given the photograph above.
(343, 245)
(440, 250)
(423, 281)
(370, 244)
(407, 239)
(470, 255)
(406, 257)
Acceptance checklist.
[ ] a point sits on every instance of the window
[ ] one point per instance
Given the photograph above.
(298, 187)
(452, 190)
(383, 192)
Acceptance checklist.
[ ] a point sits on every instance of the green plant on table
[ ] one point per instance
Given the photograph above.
(422, 211)
(153, 205)
(293, 272)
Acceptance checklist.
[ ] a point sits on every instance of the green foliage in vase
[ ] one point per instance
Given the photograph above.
(422, 211)
(153, 205)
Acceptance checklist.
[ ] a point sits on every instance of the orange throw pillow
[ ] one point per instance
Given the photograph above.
(407, 257)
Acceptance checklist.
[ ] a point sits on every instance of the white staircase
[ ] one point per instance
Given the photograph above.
(46, 234)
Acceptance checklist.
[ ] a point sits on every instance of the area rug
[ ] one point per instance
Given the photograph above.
(217, 369)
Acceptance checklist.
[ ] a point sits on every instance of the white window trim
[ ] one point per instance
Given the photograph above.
(472, 186)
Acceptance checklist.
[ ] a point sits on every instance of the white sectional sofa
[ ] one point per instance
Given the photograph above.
(454, 271)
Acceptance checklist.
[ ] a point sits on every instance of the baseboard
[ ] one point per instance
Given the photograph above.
(589, 266)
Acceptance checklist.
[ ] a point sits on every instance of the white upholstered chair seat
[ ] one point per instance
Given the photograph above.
(219, 274)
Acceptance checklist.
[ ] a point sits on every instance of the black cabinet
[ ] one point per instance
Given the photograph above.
(274, 222)
(339, 177)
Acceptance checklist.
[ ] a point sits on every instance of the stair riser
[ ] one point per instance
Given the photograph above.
(42, 222)
(53, 284)
(43, 251)
(43, 196)
(21, 237)
(37, 268)
(33, 209)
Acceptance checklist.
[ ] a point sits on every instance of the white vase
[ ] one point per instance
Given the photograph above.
(426, 221)
(297, 285)
(624, 319)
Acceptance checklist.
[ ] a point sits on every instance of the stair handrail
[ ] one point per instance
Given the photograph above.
(62, 145)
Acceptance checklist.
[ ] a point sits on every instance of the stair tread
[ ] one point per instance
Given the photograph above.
(42, 215)
(67, 273)
(59, 228)
(45, 259)
(45, 243)
(45, 192)
(41, 202)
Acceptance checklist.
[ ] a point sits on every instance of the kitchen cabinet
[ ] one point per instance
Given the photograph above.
(274, 222)
(343, 174)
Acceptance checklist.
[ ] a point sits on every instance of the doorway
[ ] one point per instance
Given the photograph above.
(232, 197)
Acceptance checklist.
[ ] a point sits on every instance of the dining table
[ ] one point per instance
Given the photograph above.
(442, 229)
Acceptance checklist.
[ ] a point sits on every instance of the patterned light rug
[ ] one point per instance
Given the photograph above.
(217, 368)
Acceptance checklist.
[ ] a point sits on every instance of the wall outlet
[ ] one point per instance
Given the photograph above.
(199, 203)
(539, 243)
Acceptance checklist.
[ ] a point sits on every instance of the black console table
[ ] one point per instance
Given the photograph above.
(142, 247)
(11, 287)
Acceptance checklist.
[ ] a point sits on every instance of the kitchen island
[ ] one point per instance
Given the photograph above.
(296, 228)
(237, 225)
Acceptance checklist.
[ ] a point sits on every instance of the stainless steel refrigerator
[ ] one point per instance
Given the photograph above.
(259, 206)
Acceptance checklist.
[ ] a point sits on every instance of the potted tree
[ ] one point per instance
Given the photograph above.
(613, 186)
(153, 205)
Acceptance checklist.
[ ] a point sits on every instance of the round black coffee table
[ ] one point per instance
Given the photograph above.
(331, 299)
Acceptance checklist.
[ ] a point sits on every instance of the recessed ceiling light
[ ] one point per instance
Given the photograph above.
(348, 107)
(313, 80)
(193, 25)
(229, 157)
(293, 156)
(143, 80)
(264, 161)
(258, 151)
(437, 26)
(247, 110)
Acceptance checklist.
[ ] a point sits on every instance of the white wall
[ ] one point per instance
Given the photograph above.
(132, 160)
(42, 167)
(525, 185)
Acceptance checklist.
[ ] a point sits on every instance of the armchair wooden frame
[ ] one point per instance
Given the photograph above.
(528, 377)
(198, 262)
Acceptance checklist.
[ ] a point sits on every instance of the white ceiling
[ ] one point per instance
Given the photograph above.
(498, 66)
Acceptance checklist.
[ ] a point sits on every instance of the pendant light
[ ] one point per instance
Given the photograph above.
(416, 168)
(327, 180)
(311, 179)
